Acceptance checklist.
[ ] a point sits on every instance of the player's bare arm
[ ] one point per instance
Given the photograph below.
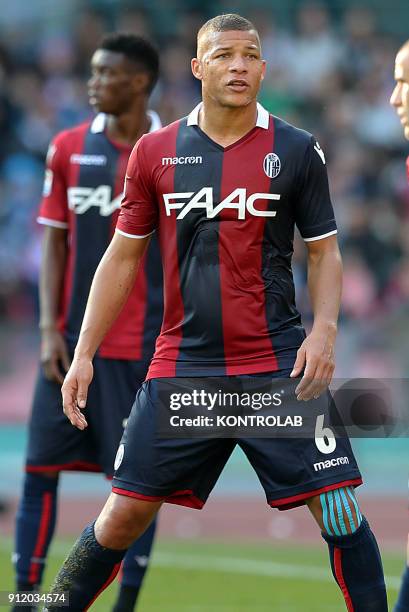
(113, 281)
(316, 354)
(54, 353)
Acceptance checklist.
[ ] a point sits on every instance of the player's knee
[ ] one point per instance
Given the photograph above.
(123, 520)
(51, 475)
(337, 512)
(38, 483)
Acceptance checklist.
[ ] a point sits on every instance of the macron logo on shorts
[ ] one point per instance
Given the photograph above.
(174, 161)
(323, 465)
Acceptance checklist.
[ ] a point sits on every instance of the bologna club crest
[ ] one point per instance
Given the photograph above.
(272, 165)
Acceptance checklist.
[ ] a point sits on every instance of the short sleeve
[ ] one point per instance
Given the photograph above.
(314, 214)
(54, 206)
(138, 216)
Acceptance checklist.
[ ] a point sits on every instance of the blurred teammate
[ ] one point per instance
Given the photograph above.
(224, 187)
(400, 100)
(82, 193)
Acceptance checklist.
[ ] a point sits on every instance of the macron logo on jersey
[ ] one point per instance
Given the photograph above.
(174, 161)
(237, 199)
(88, 160)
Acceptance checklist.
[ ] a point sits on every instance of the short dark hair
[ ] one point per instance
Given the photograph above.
(137, 49)
(224, 23)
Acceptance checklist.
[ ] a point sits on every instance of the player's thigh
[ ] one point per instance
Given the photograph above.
(150, 465)
(293, 469)
(287, 468)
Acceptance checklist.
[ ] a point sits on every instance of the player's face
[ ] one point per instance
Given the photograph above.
(400, 95)
(230, 67)
(113, 84)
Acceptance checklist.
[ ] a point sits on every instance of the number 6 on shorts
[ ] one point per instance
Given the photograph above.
(324, 438)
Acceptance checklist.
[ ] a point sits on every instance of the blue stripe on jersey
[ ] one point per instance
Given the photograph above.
(92, 229)
(277, 254)
(198, 243)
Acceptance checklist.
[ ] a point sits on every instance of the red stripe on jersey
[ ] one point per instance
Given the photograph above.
(130, 322)
(119, 181)
(168, 342)
(242, 285)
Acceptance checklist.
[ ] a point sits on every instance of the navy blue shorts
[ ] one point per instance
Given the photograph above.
(54, 444)
(184, 471)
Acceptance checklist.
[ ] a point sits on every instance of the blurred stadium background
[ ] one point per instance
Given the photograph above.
(330, 71)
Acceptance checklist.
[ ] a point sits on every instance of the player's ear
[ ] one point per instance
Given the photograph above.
(140, 82)
(263, 69)
(197, 71)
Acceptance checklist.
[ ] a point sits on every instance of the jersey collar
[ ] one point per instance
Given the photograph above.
(156, 123)
(263, 116)
(99, 123)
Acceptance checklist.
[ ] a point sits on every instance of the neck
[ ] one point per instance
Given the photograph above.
(128, 127)
(225, 125)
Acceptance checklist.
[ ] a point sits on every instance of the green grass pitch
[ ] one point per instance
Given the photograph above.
(204, 576)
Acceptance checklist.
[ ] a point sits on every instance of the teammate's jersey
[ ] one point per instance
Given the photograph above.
(226, 220)
(83, 189)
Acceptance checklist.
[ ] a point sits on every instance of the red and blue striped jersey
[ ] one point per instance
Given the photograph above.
(225, 219)
(83, 189)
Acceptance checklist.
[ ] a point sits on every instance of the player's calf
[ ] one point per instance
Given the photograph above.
(86, 572)
(402, 604)
(133, 570)
(95, 559)
(123, 519)
(35, 524)
(355, 559)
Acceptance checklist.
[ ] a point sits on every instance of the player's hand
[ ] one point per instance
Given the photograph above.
(75, 390)
(54, 355)
(316, 357)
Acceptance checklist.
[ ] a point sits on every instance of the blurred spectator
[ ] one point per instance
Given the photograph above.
(316, 50)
